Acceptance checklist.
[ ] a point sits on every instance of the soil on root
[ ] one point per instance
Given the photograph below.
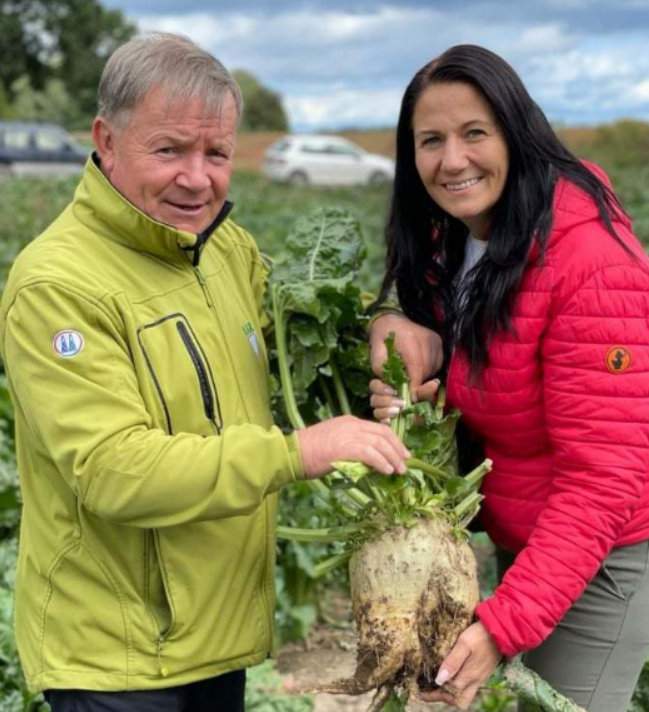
(329, 655)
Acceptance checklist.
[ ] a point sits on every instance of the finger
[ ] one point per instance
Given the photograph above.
(372, 457)
(466, 697)
(381, 401)
(395, 441)
(437, 696)
(379, 388)
(428, 390)
(385, 415)
(452, 664)
(393, 450)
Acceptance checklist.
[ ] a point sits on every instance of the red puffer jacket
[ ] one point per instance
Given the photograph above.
(563, 408)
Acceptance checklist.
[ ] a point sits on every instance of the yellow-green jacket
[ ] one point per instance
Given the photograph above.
(145, 447)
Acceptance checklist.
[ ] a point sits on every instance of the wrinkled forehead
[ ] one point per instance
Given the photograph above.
(171, 101)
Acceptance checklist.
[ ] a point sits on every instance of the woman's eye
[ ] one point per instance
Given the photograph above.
(475, 133)
(431, 141)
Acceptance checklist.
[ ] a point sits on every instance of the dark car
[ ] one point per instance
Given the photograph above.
(38, 149)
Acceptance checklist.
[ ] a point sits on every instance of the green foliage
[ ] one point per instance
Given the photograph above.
(52, 103)
(262, 108)
(63, 40)
(313, 287)
(640, 701)
(394, 372)
(264, 692)
(318, 314)
(621, 144)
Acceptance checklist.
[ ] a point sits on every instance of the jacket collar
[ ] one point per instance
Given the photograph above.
(104, 209)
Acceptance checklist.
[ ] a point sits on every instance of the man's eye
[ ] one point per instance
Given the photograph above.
(166, 150)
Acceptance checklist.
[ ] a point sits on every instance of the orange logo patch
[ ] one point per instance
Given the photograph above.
(618, 359)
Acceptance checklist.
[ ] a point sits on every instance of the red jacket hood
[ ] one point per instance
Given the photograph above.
(572, 206)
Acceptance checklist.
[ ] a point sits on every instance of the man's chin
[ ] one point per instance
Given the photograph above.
(190, 223)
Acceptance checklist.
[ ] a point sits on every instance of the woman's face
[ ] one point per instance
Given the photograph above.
(460, 153)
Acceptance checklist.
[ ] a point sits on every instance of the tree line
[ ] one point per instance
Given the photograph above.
(52, 53)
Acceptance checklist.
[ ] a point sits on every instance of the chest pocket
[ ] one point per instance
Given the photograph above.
(182, 376)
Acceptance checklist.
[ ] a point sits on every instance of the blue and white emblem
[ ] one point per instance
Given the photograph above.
(249, 331)
(67, 343)
(252, 338)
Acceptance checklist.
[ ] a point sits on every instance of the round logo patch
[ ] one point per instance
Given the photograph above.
(618, 359)
(68, 343)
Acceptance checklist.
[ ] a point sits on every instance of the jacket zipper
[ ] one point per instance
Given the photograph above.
(201, 372)
(163, 634)
(204, 287)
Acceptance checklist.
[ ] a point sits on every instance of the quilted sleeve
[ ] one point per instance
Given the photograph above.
(596, 397)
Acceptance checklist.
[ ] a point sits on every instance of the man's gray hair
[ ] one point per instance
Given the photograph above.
(161, 59)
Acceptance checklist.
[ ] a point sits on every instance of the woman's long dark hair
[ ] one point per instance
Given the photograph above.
(426, 244)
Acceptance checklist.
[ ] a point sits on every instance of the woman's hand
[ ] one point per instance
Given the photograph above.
(385, 403)
(420, 348)
(466, 669)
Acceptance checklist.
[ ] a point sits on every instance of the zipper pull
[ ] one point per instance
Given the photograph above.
(204, 287)
(164, 671)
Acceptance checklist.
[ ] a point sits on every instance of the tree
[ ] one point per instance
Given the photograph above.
(66, 40)
(262, 108)
(52, 103)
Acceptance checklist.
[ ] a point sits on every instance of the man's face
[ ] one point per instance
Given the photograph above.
(172, 160)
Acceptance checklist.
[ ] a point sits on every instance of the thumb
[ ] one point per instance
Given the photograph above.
(378, 356)
(428, 390)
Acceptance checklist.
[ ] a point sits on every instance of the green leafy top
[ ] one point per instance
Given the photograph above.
(325, 245)
(318, 314)
(394, 370)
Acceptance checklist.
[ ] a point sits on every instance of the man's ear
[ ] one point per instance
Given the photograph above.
(103, 136)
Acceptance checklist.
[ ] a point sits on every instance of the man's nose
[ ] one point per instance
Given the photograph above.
(454, 157)
(193, 173)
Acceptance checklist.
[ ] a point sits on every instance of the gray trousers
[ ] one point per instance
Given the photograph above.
(597, 651)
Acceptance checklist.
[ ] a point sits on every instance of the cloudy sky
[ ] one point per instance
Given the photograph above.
(345, 64)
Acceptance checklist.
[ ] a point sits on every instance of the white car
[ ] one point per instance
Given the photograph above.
(324, 160)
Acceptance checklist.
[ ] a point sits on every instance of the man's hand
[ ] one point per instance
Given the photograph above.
(467, 667)
(350, 438)
(420, 348)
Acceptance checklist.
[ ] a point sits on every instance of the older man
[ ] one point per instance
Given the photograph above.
(147, 454)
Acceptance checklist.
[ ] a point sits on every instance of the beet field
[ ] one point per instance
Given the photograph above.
(314, 628)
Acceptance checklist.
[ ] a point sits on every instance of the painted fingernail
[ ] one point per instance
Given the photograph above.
(398, 402)
(393, 410)
(389, 391)
(442, 676)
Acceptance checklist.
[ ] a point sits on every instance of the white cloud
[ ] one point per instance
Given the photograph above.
(640, 92)
(340, 67)
(345, 108)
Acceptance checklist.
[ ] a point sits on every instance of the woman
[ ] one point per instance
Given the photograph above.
(522, 259)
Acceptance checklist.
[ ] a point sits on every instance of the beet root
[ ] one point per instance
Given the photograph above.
(414, 591)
